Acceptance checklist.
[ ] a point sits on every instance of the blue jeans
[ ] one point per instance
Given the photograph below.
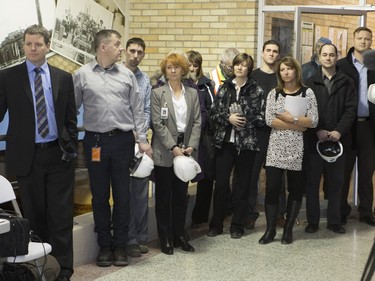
(138, 228)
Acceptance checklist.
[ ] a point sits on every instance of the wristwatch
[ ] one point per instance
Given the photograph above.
(295, 120)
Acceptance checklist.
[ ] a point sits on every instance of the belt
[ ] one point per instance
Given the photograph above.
(48, 144)
(111, 133)
(362, 119)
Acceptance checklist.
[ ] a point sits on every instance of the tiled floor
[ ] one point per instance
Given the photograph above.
(322, 256)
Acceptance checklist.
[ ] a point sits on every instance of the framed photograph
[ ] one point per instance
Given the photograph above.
(76, 23)
(339, 37)
(13, 26)
(118, 15)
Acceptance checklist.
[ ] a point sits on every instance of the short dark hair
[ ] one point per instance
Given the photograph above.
(328, 44)
(104, 35)
(244, 57)
(136, 40)
(40, 30)
(272, 42)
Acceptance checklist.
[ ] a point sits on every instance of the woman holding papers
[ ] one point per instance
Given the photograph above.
(286, 144)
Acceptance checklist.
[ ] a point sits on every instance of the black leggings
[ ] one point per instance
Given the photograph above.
(295, 184)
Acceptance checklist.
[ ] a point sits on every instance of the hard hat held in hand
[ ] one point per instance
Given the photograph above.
(371, 93)
(329, 150)
(186, 168)
(141, 166)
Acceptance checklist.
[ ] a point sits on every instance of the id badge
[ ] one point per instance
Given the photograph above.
(95, 154)
(164, 113)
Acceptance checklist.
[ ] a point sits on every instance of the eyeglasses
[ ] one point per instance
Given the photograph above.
(228, 67)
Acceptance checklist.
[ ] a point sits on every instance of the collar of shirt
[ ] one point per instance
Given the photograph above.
(30, 67)
(238, 87)
(357, 63)
(96, 66)
(182, 89)
(363, 107)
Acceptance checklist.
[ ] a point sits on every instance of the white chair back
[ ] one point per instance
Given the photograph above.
(7, 195)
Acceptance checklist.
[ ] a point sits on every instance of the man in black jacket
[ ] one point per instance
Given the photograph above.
(41, 143)
(364, 144)
(337, 106)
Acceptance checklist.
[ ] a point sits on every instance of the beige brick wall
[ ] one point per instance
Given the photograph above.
(210, 26)
(205, 26)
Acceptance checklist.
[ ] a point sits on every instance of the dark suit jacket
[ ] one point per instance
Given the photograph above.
(16, 97)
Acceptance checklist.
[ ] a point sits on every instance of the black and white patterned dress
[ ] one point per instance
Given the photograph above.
(285, 148)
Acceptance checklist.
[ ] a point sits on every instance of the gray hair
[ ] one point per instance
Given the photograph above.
(229, 54)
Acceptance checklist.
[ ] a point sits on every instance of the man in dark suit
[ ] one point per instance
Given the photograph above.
(41, 143)
(363, 129)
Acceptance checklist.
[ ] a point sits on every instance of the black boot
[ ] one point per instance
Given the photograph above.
(271, 216)
(291, 216)
(166, 246)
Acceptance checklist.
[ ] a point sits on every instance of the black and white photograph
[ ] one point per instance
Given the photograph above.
(12, 26)
(76, 23)
(118, 10)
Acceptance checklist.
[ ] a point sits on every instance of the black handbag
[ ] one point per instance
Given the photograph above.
(16, 272)
(16, 241)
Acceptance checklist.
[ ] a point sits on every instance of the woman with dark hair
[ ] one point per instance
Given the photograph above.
(205, 183)
(286, 147)
(236, 110)
(176, 122)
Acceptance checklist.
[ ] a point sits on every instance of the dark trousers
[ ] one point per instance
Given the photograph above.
(333, 174)
(263, 135)
(274, 181)
(117, 151)
(47, 201)
(365, 151)
(170, 203)
(226, 158)
(203, 199)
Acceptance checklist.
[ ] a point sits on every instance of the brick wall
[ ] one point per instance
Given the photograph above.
(205, 26)
(210, 26)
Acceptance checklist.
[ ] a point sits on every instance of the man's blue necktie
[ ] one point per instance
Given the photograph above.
(41, 109)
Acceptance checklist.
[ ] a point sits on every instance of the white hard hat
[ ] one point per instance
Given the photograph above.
(371, 93)
(186, 168)
(329, 150)
(141, 165)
